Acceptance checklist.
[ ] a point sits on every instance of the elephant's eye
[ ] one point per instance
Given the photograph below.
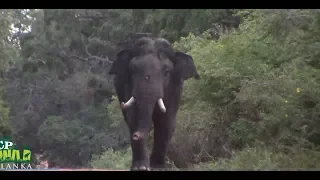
(147, 77)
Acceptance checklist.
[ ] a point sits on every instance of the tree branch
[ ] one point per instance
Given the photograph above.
(90, 56)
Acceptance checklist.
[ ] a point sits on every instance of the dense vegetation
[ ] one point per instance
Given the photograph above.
(256, 106)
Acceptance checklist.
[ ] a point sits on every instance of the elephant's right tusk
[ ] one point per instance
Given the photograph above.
(128, 103)
(161, 105)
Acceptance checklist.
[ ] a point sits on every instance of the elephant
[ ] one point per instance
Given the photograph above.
(148, 80)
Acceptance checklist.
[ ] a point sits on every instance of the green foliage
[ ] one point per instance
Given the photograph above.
(5, 128)
(175, 23)
(261, 92)
(8, 51)
(62, 138)
(111, 159)
(265, 159)
(115, 113)
(8, 55)
(243, 132)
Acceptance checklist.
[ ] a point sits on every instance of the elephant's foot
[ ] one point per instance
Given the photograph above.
(140, 166)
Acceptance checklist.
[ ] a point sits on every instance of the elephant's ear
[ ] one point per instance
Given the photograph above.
(121, 64)
(184, 66)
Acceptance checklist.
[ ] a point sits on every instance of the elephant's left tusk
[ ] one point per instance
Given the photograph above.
(128, 103)
(161, 105)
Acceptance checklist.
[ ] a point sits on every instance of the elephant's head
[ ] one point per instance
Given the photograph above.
(151, 67)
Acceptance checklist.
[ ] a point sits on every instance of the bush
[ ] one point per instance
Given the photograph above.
(254, 90)
(266, 159)
(111, 159)
(5, 128)
(61, 139)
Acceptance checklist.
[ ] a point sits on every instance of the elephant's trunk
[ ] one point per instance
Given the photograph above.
(145, 109)
(138, 135)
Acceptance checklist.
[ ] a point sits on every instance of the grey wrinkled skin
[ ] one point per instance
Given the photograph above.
(150, 70)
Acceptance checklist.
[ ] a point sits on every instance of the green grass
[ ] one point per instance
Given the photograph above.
(264, 159)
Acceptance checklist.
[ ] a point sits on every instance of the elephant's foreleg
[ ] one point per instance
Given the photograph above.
(163, 131)
(140, 159)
